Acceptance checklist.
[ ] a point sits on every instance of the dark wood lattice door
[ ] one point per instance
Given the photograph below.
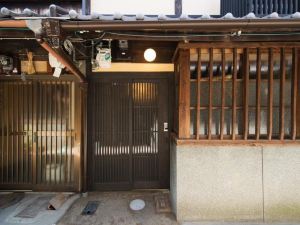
(37, 135)
(129, 139)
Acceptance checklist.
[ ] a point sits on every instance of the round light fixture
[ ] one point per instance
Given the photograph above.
(150, 55)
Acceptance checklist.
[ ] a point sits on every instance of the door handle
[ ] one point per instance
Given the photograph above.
(166, 127)
(18, 133)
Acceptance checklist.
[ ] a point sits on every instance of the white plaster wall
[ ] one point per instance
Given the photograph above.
(236, 183)
(219, 183)
(282, 183)
(200, 7)
(156, 7)
(147, 7)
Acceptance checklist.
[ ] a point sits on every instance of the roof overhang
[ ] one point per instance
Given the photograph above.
(203, 26)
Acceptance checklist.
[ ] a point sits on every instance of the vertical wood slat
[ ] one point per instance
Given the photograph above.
(234, 92)
(258, 94)
(184, 95)
(270, 93)
(298, 95)
(294, 94)
(2, 131)
(210, 92)
(246, 93)
(223, 95)
(198, 95)
(282, 91)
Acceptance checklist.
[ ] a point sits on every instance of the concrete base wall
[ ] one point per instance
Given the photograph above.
(235, 183)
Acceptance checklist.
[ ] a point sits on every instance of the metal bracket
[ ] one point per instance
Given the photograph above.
(53, 32)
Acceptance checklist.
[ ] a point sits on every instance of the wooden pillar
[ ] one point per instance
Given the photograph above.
(184, 95)
(80, 138)
(294, 88)
(298, 95)
(84, 157)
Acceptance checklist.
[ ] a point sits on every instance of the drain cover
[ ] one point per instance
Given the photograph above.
(90, 208)
(162, 203)
(137, 205)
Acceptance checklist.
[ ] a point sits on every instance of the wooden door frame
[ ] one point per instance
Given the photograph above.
(169, 76)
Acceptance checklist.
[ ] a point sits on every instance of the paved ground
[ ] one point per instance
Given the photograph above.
(245, 223)
(31, 209)
(114, 210)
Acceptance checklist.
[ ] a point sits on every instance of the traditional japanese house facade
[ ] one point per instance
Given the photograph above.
(214, 118)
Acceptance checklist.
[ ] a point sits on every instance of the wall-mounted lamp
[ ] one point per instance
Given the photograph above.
(150, 55)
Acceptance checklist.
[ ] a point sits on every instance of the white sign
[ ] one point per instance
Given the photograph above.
(103, 58)
(133, 7)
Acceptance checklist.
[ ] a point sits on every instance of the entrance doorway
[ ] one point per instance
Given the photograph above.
(128, 132)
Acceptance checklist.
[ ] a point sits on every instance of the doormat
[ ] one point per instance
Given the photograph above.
(7, 200)
(32, 210)
(90, 208)
(162, 203)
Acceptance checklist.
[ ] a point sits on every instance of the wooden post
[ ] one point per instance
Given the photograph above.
(294, 94)
(198, 94)
(246, 93)
(234, 91)
(258, 94)
(282, 91)
(184, 95)
(298, 96)
(270, 94)
(210, 92)
(223, 95)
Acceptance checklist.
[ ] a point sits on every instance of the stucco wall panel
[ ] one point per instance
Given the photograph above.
(282, 183)
(219, 183)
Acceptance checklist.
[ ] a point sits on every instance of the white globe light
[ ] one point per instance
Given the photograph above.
(150, 55)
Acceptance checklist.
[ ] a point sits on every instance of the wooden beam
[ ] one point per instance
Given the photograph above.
(258, 94)
(62, 57)
(211, 59)
(238, 45)
(184, 95)
(298, 97)
(270, 93)
(13, 24)
(223, 95)
(294, 95)
(198, 94)
(246, 93)
(234, 91)
(282, 91)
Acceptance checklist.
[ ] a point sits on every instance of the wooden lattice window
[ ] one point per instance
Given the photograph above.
(245, 93)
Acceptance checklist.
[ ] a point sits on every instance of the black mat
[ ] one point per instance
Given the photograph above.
(7, 200)
(90, 208)
(33, 209)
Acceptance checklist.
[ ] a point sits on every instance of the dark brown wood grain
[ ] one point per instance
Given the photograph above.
(270, 93)
(184, 94)
(223, 95)
(294, 94)
(258, 94)
(198, 94)
(282, 91)
(246, 92)
(234, 92)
